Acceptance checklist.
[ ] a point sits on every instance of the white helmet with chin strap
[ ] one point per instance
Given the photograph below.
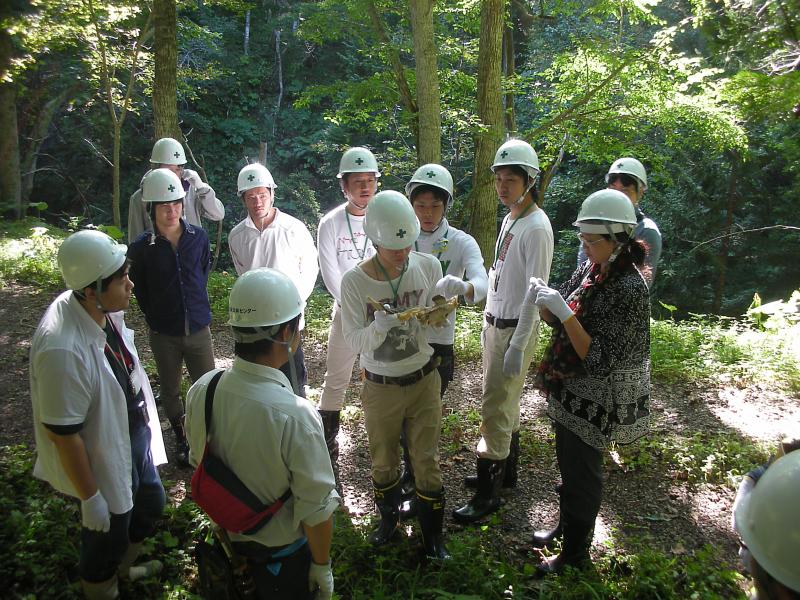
(606, 212)
(518, 153)
(358, 160)
(89, 256)
(629, 166)
(162, 185)
(168, 151)
(390, 221)
(433, 175)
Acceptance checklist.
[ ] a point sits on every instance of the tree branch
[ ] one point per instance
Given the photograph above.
(727, 235)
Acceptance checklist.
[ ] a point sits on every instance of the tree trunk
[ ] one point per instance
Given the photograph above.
(482, 200)
(247, 33)
(10, 199)
(725, 244)
(509, 69)
(429, 149)
(165, 95)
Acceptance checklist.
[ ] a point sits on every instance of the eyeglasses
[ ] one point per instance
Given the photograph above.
(624, 179)
(587, 242)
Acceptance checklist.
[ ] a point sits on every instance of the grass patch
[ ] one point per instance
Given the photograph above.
(28, 251)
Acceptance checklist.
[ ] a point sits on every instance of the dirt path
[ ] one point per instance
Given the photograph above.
(648, 506)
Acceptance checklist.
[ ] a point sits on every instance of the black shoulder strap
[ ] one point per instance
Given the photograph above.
(212, 387)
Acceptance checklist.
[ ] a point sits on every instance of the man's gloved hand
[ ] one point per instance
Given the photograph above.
(384, 321)
(512, 362)
(450, 285)
(94, 513)
(320, 578)
(547, 297)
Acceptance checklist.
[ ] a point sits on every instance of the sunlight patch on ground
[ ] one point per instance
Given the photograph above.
(768, 419)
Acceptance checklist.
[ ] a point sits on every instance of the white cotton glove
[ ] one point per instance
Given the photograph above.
(193, 177)
(94, 513)
(320, 578)
(512, 362)
(450, 285)
(547, 297)
(384, 321)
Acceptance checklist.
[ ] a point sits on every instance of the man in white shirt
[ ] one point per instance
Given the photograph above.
(343, 244)
(401, 383)
(524, 249)
(272, 440)
(200, 200)
(98, 437)
(270, 238)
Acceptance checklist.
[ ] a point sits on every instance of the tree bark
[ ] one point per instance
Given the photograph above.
(165, 94)
(482, 200)
(10, 184)
(509, 69)
(429, 149)
(247, 33)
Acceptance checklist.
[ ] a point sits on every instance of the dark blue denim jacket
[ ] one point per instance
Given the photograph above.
(171, 284)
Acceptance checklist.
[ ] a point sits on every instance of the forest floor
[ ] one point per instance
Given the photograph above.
(666, 509)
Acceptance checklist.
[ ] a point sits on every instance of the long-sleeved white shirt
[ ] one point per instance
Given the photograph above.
(523, 251)
(286, 245)
(459, 255)
(200, 201)
(341, 247)
(404, 348)
(272, 440)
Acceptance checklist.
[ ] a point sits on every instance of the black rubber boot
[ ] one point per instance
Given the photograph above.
(181, 445)
(431, 520)
(546, 538)
(510, 477)
(388, 502)
(408, 486)
(330, 427)
(574, 551)
(487, 499)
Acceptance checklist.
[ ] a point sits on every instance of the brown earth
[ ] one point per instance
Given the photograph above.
(649, 507)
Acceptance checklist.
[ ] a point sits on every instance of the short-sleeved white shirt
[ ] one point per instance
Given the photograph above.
(459, 255)
(404, 348)
(72, 383)
(523, 251)
(341, 247)
(272, 440)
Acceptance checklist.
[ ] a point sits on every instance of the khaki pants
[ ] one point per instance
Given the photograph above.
(385, 409)
(501, 394)
(338, 365)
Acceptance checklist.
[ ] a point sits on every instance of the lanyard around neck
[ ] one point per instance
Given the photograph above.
(361, 253)
(395, 289)
(442, 247)
(501, 240)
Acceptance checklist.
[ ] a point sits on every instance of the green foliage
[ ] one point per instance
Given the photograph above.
(318, 315)
(219, 288)
(467, 342)
(28, 252)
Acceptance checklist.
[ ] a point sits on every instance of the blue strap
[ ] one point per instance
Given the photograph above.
(275, 567)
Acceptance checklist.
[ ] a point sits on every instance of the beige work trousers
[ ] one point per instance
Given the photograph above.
(338, 365)
(501, 394)
(386, 407)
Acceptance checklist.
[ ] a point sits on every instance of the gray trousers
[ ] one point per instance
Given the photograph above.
(170, 352)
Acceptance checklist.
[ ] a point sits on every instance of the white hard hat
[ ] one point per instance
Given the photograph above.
(88, 256)
(168, 151)
(606, 211)
(390, 221)
(769, 522)
(435, 175)
(517, 153)
(263, 297)
(162, 185)
(358, 160)
(254, 176)
(629, 166)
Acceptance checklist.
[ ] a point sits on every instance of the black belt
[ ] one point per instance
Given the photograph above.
(404, 380)
(501, 323)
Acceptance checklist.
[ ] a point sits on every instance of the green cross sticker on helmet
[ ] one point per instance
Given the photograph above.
(254, 176)
(167, 151)
(629, 166)
(390, 221)
(517, 153)
(433, 175)
(162, 185)
(358, 160)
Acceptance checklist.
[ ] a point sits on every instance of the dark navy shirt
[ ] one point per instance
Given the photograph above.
(171, 283)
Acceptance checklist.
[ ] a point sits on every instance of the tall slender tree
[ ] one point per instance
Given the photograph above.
(429, 149)
(165, 95)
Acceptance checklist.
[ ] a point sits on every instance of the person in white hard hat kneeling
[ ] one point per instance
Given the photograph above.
(170, 265)
(268, 237)
(401, 385)
(342, 244)
(98, 438)
(596, 369)
(200, 200)
(524, 249)
(272, 440)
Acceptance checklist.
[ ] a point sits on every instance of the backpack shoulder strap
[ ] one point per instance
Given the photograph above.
(210, 390)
